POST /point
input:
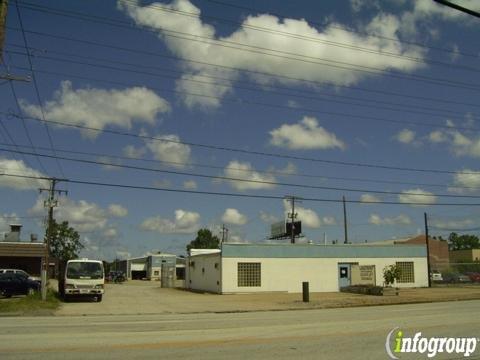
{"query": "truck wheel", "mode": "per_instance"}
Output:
(98, 298)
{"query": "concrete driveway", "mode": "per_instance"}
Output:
(147, 297)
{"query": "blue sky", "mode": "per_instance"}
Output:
(394, 84)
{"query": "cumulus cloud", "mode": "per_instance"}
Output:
(185, 222)
(308, 217)
(453, 224)
(466, 181)
(18, 167)
(303, 40)
(233, 217)
(134, 152)
(306, 134)
(417, 196)
(190, 185)
(82, 215)
(116, 210)
(397, 220)
(268, 218)
(99, 108)
(405, 136)
(461, 143)
(369, 198)
(245, 171)
(170, 149)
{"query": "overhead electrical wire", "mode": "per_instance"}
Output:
(280, 76)
(35, 85)
(335, 64)
(238, 195)
(251, 152)
(87, 16)
(232, 179)
(264, 88)
(243, 170)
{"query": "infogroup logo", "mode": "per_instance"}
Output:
(465, 346)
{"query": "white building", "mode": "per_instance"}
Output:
(244, 268)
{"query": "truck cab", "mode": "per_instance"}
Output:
(82, 277)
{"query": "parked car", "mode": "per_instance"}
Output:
(436, 275)
(456, 278)
(17, 284)
(115, 276)
(474, 277)
(19, 271)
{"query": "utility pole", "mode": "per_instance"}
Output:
(345, 221)
(428, 249)
(292, 215)
(3, 21)
(224, 234)
(50, 203)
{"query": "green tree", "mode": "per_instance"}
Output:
(65, 242)
(463, 242)
(204, 240)
(391, 274)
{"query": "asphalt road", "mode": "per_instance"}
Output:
(350, 333)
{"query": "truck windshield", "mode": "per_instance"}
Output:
(84, 270)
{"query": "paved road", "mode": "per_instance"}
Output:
(352, 333)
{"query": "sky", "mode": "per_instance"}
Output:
(206, 113)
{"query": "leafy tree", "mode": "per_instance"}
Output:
(65, 241)
(391, 274)
(463, 242)
(204, 240)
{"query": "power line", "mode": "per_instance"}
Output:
(458, 7)
(373, 35)
(335, 64)
(278, 173)
(263, 104)
(213, 193)
(264, 88)
(251, 152)
(37, 92)
(228, 178)
(280, 76)
(86, 16)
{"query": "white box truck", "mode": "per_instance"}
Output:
(82, 277)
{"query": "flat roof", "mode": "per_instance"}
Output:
(322, 251)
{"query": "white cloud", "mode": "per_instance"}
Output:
(460, 143)
(329, 220)
(305, 135)
(110, 233)
(268, 218)
(190, 185)
(134, 152)
(170, 150)
(405, 136)
(305, 40)
(18, 167)
(234, 217)
(185, 222)
(120, 254)
(244, 170)
(397, 220)
(369, 198)
(162, 183)
(308, 217)
(116, 210)
(99, 107)
(437, 136)
(82, 215)
(453, 224)
(417, 196)
(466, 179)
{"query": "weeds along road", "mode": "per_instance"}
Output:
(351, 333)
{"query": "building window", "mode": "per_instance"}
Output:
(249, 274)
(156, 273)
(407, 273)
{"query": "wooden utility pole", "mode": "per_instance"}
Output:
(427, 242)
(3, 20)
(345, 221)
(50, 203)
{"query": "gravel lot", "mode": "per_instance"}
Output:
(145, 297)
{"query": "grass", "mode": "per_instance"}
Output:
(30, 304)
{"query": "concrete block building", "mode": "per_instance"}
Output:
(247, 268)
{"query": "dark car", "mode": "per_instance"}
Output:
(17, 284)
(456, 278)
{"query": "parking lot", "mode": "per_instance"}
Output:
(147, 297)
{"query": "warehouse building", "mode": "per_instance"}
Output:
(246, 268)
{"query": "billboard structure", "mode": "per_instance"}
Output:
(283, 230)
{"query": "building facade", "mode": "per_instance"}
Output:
(246, 268)
(465, 256)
